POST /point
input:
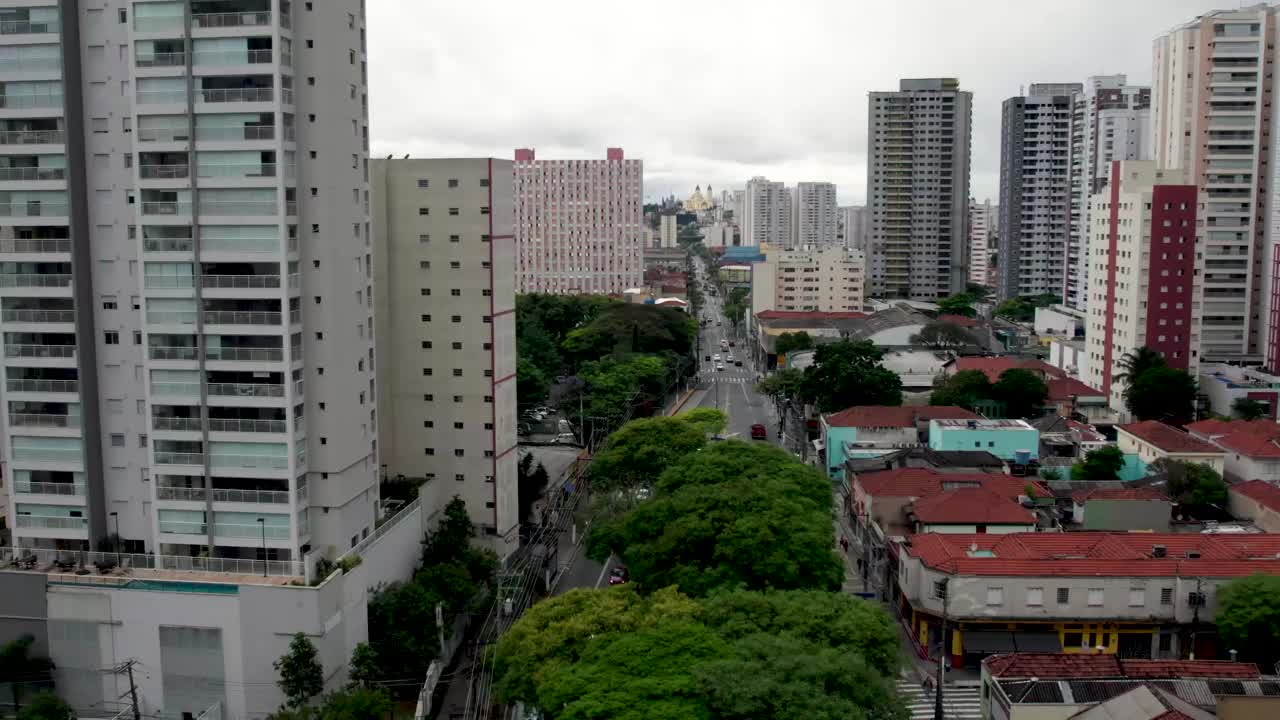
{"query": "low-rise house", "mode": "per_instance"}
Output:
(1012, 440)
(1257, 501)
(1152, 440)
(1067, 396)
(1062, 437)
(1251, 448)
(1134, 508)
(880, 427)
(1137, 595)
(1055, 686)
(1224, 384)
(970, 510)
(893, 500)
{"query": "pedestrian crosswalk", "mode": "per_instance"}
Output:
(960, 702)
(732, 379)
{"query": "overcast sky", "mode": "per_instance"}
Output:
(716, 92)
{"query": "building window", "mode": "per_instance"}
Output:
(423, 182)
(1166, 596)
(428, 397)
(424, 211)
(455, 238)
(484, 182)
(455, 265)
(1096, 597)
(458, 426)
(1064, 596)
(453, 211)
(1137, 597)
(457, 318)
(429, 451)
(460, 477)
(488, 453)
(111, 337)
(995, 596)
(1035, 596)
(457, 398)
(457, 372)
(459, 452)
(426, 371)
(428, 423)
(117, 439)
(453, 182)
(484, 210)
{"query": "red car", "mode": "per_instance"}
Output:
(619, 575)
(758, 432)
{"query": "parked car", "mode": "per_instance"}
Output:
(738, 363)
(708, 358)
(719, 366)
(731, 343)
(716, 357)
(758, 432)
(619, 575)
(567, 438)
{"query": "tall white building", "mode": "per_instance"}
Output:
(854, 220)
(1035, 191)
(187, 280)
(823, 279)
(446, 331)
(1112, 121)
(766, 213)
(918, 189)
(981, 233)
(1211, 114)
(579, 224)
(667, 230)
(816, 215)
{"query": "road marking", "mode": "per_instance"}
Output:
(603, 570)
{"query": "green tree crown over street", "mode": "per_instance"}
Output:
(849, 373)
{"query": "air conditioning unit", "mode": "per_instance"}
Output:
(1159, 551)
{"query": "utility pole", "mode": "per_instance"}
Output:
(127, 667)
(941, 589)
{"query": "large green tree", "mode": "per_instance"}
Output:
(1101, 464)
(531, 483)
(641, 450)
(19, 667)
(711, 421)
(1162, 393)
(1248, 618)
(626, 328)
(47, 706)
(1194, 484)
(1022, 392)
(790, 342)
(301, 676)
(849, 373)
(784, 384)
(963, 389)
(1248, 409)
(734, 514)
(958, 304)
(1137, 362)
(939, 335)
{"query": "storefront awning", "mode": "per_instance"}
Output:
(1037, 642)
(987, 641)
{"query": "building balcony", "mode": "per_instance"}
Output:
(164, 172)
(32, 174)
(244, 354)
(240, 282)
(47, 455)
(37, 280)
(179, 527)
(171, 317)
(24, 385)
(37, 100)
(233, 57)
(199, 494)
(169, 389)
(166, 208)
(32, 137)
(231, 19)
(176, 424)
(40, 351)
(162, 97)
(252, 170)
(52, 523)
(243, 425)
(261, 390)
(235, 95)
(216, 207)
(159, 352)
(33, 209)
(61, 489)
(160, 59)
(169, 282)
(256, 530)
(249, 462)
(34, 420)
(231, 317)
(178, 458)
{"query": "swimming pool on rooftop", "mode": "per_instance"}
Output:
(180, 586)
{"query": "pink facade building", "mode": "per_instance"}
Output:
(578, 224)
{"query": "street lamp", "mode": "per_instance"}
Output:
(116, 516)
(263, 523)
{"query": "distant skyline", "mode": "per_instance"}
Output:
(708, 93)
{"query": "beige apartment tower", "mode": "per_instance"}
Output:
(445, 311)
(809, 279)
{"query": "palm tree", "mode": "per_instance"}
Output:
(1137, 362)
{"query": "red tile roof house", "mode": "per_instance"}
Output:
(1066, 394)
(1152, 440)
(879, 426)
(1132, 594)
(1251, 448)
(1058, 685)
(1257, 501)
(909, 500)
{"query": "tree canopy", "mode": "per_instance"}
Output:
(939, 335)
(1022, 392)
(1024, 308)
(301, 676)
(531, 483)
(734, 514)
(1194, 484)
(1137, 362)
(1162, 393)
(735, 305)
(790, 342)
(958, 304)
(1248, 618)
(615, 653)
(629, 328)
(711, 421)
(963, 389)
(850, 373)
(640, 451)
(47, 706)
(1248, 409)
(1101, 464)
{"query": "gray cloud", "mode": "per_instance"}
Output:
(716, 93)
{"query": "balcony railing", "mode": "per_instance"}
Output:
(291, 207)
(36, 280)
(41, 420)
(32, 173)
(168, 244)
(229, 95)
(172, 353)
(238, 170)
(171, 389)
(232, 57)
(234, 317)
(164, 172)
(164, 134)
(171, 317)
(40, 351)
(240, 281)
(33, 209)
(226, 207)
(168, 282)
(181, 527)
(190, 494)
(269, 462)
(162, 97)
(245, 354)
(176, 458)
(199, 494)
(156, 24)
(52, 523)
(246, 389)
(167, 59)
(26, 487)
(42, 386)
(35, 245)
(39, 100)
(246, 132)
(53, 455)
(176, 424)
(38, 316)
(238, 425)
(256, 530)
(32, 137)
(27, 27)
(166, 208)
(235, 19)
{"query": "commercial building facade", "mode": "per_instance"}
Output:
(1146, 285)
(826, 279)
(815, 216)
(578, 224)
(184, 260)
(1035, 191)
(766, 213)
(446, 331)
(982, 221)
(918, 189)
(1111, 121)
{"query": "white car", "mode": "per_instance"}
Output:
(716, 357)
(719, 366)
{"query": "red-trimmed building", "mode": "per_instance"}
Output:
(1143, 287)
(1152, 440)
(1137, 595)
(1251, 448)
(880, 426)
(1257, 501)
